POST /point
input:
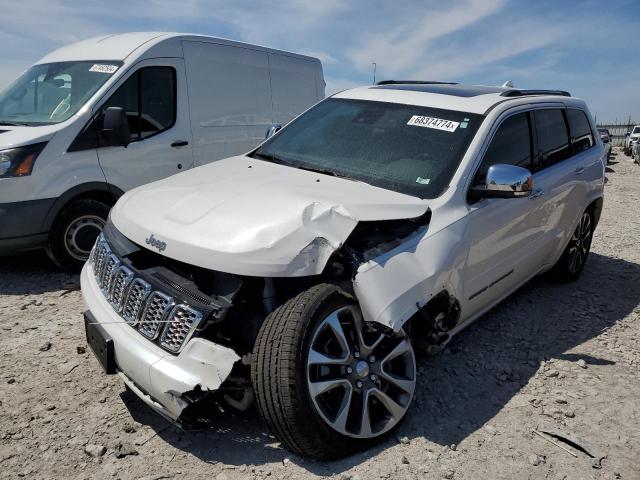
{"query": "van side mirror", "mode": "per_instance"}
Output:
(504, 181)
(115, 127)
(273, 129)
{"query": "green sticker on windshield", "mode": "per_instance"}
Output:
(423, 181)
(464, 123)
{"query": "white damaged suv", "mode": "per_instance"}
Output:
(303, 273)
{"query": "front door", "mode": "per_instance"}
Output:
(502, 233)
(154, 97)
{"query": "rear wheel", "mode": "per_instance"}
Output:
(75, 231)
(326, 382)
(575, 255)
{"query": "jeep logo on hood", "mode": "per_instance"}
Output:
(155, 243)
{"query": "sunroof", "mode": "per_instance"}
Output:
(444, 89)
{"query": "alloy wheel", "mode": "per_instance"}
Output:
(580, 243)
(361, 380)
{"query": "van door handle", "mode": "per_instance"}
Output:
(536, 194)
(180, 143)
(580, 170)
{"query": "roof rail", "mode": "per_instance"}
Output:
(414, 82)
(520, 93)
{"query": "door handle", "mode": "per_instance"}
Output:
(580, 170)
(180, 143)
(536, 194)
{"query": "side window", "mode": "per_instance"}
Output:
(581, 134)
(553, 138)
(511, 144)
(148, 98)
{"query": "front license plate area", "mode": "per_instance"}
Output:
(100, 342)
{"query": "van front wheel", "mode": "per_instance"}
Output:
(327, 383)
(75, 231)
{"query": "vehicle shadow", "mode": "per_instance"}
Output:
(465, 386)
(33, 274)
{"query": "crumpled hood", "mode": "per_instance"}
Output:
(251, 217)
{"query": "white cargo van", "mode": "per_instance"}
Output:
(99, 117)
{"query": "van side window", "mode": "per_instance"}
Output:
(581, 134)
(148, 98)
(553, 137)
(511, 144)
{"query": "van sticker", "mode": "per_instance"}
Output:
(431, 122)
(102, 68)
(423, 181)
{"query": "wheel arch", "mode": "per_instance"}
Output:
(100, 191)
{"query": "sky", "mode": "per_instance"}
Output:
(586, 47)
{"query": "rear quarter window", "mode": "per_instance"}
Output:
(581, 133)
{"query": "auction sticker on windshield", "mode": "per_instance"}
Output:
(431, 122)
(98, 67)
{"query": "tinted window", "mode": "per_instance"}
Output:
(511, 144)
(553, 138)
(581, 134)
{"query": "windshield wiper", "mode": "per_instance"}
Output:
(14, 124)
(271, 158)
(325, 171)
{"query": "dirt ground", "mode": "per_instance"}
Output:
(552, 356)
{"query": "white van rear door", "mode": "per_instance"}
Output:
(230, 98)
(154, 97)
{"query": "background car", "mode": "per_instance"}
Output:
(606, 140)
(631, 136)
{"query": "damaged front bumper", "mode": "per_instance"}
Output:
(167, 383)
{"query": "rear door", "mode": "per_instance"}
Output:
(565, 163)
(154, 97)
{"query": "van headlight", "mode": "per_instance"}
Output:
(18, 162)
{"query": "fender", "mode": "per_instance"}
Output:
(102, 188)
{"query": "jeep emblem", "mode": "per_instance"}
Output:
(155, 243)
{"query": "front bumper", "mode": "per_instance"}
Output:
(21, 225)
(159, 378)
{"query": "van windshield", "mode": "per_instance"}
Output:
(405, 148)
(52, 92)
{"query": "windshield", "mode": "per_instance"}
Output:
(408, 149)
(635, 130)
(52, 92)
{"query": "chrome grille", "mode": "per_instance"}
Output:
(121, 280)
(137, 293)
(154, 313)
(153, 316)
(111, 264)
(182, 322)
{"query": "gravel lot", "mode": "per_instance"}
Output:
(552, 356)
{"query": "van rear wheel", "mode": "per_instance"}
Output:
(75, 231)
(327, 383)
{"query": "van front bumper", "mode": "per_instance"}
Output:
(159, 378)
(21, 225)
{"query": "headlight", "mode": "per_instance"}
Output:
(18, 162)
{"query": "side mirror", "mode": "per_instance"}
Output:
(273, 129)
(115, 127)
(605, 140)
(505, 181)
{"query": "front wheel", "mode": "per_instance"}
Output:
(75, 231)
(327, 383)
(575, 254)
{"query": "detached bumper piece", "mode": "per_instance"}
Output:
(101, 343)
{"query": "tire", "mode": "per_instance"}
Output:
(286, 375)
(74, 232)
(574, 257)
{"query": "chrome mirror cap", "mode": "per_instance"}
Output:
(505, 181)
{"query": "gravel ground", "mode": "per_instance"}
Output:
(552, 356)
